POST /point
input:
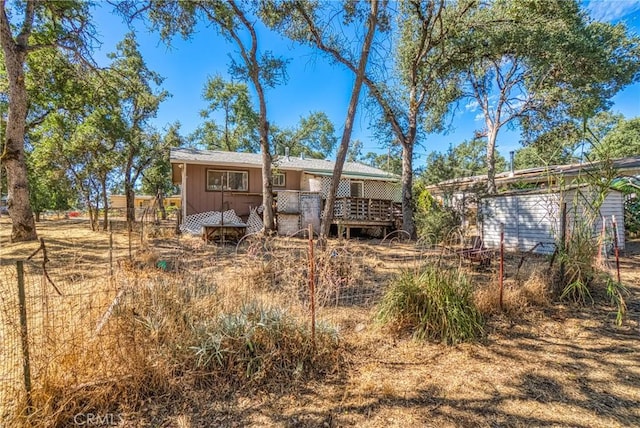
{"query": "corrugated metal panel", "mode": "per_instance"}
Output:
(531, 219)
(537, 223)
(497, 211)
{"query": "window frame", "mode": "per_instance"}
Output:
(226, 172)
(284, 179)
(360, 184)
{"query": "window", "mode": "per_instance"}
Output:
(278, 179)
(236, 181)
(357, 189)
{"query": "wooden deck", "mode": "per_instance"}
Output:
(365, 212)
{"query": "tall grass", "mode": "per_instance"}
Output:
(577, 263)
(166, 334)
(261, 344)
(434, 304)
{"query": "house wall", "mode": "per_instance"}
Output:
(373, 189)
(530, 219)
(200, 200)
(579, 206)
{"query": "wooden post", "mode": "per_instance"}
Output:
(312, 287)
(501, 263)
(24, 335)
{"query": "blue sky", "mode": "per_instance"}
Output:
(314, 84)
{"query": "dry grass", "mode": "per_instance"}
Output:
(542, 363)
(535, 291)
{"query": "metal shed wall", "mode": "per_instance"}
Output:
(530, 219)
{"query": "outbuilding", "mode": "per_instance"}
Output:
(532, 220)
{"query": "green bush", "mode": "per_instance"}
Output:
(436, 222)
(435, 304)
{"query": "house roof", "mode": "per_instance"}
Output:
(544, 190)
(291, 163)
(628, 166)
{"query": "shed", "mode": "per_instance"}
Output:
(532, 218)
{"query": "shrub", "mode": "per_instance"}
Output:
(435, 304)
(261, 344)
(577, 263)
(437, 222)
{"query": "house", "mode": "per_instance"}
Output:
(143, 201)
(220, 181)
(528, 203)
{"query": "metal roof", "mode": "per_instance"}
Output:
(290, 163)
(630, 165)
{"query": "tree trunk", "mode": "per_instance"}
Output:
(268, 217)
(105, 203)
(327, 218)
(492, 134)
(23, 226)
(87, 199)
(130, 202)
(160, 198)
(407, 190)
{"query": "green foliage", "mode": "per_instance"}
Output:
(237, 126)
(157, 177)
(434, 304)
(617, 293)
(623, 140)
(314, 137)
(262, 344)
(466, 159)
(433, 220)
(632, 215)
(390, 161)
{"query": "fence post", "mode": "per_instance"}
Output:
(24, 335)
(312, 287)
(501, 263)
(111, 248)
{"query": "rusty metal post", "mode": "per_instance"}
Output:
(24, 336)
(615, 246)
(312, 287)
(501, 263)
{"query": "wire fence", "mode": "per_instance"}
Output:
(91, 308)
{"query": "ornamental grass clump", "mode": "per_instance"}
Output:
(261, 344)
(433, 304)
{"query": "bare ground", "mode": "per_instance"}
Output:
(556, 365)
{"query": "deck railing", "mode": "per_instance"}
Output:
(364, 209)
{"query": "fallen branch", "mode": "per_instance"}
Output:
(45, 260)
